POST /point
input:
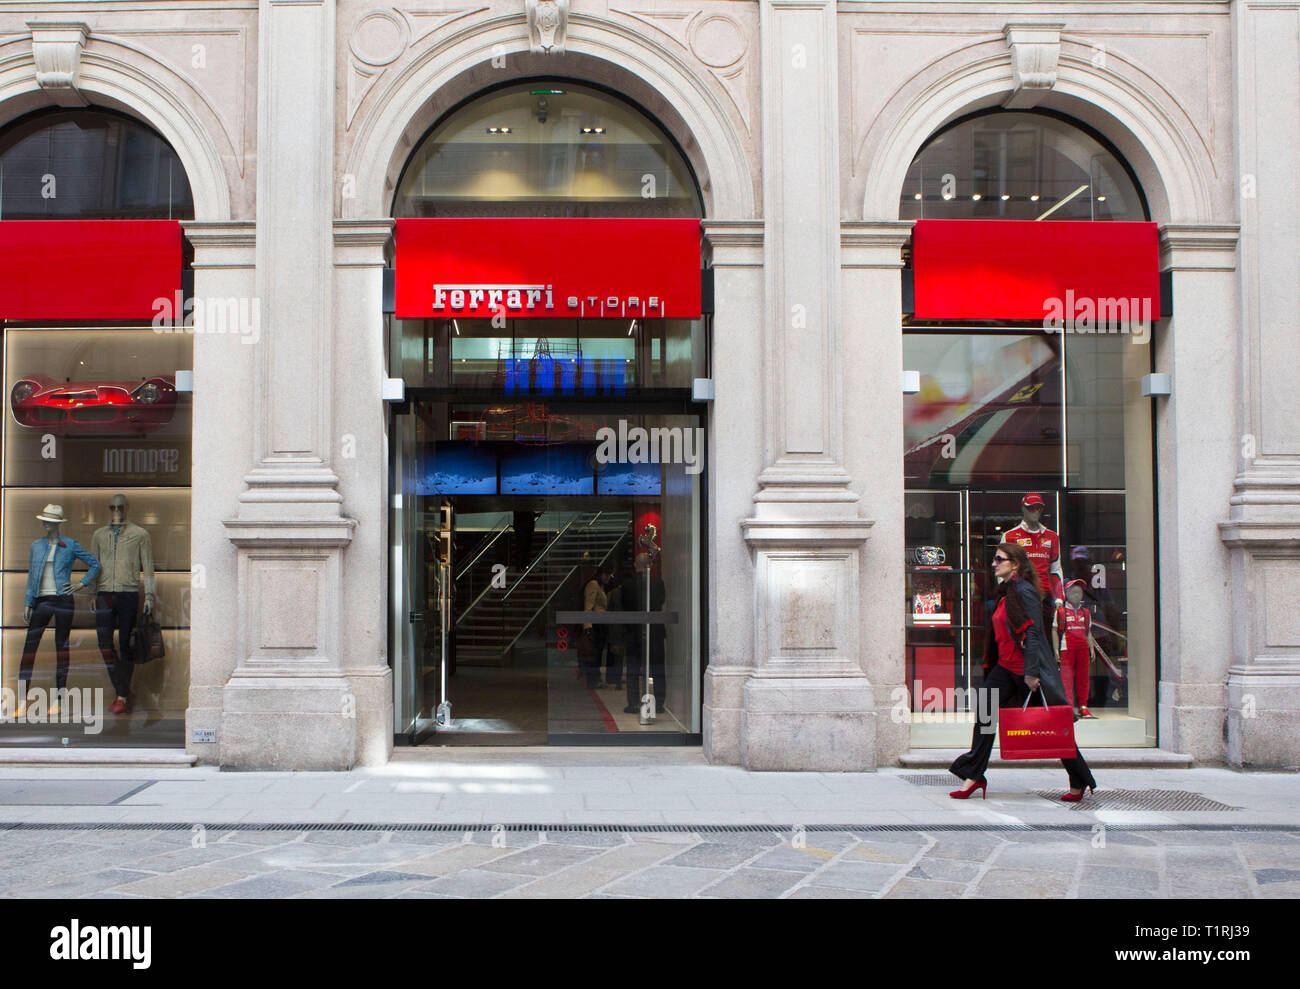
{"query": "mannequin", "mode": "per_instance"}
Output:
(1043, 546)
(1077, 643)
(49, 596)
(126, 551)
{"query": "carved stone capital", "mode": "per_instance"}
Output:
(56, 49)
(548, 25)
(1035, 52)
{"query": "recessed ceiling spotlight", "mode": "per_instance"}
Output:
(917, 196)
(498, 130)
(1034, 198)
(1005, 197)
(1101, 199)
(977, 197)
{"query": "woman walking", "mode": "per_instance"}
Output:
(1017, 662)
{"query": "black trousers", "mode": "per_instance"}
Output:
(1011, 692)
(117, 610)
(61, 608)
(590, 662)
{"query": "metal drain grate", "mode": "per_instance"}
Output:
(930, 779)
(1174, 800)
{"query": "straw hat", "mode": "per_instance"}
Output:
(52, 513)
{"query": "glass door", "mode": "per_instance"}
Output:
(546, 558)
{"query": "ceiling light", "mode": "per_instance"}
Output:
(1034, 198)
(977, 197)
(498, 130)
(1101, 199)
(1005, 197)
(947, 195)
(917, 196)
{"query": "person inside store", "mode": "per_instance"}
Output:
(126, 552)
(594, 598)
(1018, 661)
(49, 596)
(616, 635)
(649, 594)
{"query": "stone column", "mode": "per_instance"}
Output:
(1263, 526)
(735, 459)
(361, 463)
(224, 373)
(807, 702)
(288, 704)
(872, 358)
(1195, 441)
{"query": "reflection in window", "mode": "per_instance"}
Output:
(1009, 165)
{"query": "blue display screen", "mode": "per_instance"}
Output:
(628, 479)
(548, 470)
(457, 467)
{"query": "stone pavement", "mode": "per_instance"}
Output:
(68, 862)
(558, 822)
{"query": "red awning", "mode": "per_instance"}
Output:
(548, 268)
(88, 269)
(1035, 269)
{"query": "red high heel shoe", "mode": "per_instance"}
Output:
(965, 794)
(1073, 797)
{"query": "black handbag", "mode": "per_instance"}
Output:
(147, 641)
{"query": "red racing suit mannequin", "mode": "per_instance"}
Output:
(1075, 627)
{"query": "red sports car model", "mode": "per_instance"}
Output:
(42, 403)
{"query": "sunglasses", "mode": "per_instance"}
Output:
(999, 558)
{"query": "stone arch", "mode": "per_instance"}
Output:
(1157, 139)
(649, 75)
(109, 77)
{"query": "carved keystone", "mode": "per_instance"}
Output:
(56, 49)
(1035, 52)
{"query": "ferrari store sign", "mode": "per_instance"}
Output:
(604, 268)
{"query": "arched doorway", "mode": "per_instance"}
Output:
(549, 460)
(97, 431)
(1020, 431)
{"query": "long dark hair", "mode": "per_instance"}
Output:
(1025, 568)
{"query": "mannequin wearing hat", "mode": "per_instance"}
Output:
(49, 596)
(1075, 624)
(1042, 545)
(126, 552)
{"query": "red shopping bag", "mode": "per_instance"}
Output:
(1036, 732)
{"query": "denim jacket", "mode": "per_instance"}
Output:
(67, 551)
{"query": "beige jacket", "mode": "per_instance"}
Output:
(123, 559)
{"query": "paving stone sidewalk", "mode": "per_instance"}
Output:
(376, 863)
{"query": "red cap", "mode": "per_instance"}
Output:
(1032, 499)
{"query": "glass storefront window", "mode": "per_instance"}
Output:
(94, 421)
(1004, 410)
(89, 165)
(1018, 166)
(547, 149)
(530, 515)
(95, 433)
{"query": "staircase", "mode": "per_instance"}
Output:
(488, 626)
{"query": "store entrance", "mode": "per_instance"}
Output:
(951, 538)
(537, 579)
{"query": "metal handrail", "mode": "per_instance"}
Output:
(556, 589)
(540, 557)
(488, 586)
(501, 531)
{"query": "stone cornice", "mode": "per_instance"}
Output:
(361, 243)
(873, 244)
(222, 243)
(806, 532)
(735, 243)
(1199, 246)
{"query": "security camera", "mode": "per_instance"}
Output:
(542, 110)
